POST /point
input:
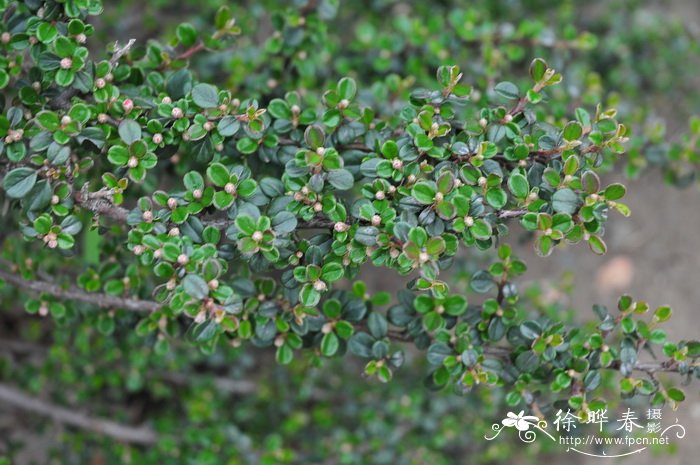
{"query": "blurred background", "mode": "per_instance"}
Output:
(238, 407)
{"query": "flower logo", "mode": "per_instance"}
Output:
(521, 421)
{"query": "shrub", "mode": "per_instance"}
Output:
(153, 211)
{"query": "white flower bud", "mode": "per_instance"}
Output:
(65, 120)
(423, 257)
(183, 259)
(469, 221)
(296, 110)
(208, 126)
(376, 220)
(133, 162)
(139, 249)
(197, 194)
(341, 227)
(483, 123)
(128, 105)
(174, 232)
(320, 286)
(66, 63)
(439, 196)
(157, 138)
(177, 113)
(343, 104)
(318, 207)
(213, 284)
(327, 328)
(279, 341)
(257, 236)
(230, 188)
(81, 38)
(508, 118)
(102, 118)
(380, 195)
(147, 216)
(172, 203)
(201, 317)
(397, 164)
(5, 38)
(482, 181)
(166, 100)
(321, 151)
(55, 200)
(236, 103)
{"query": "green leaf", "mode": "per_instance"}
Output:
(615, 191)
(377, 325)
(597, 245)
(193, 181)
(572, 131)
(48, 120)
(218, 174)
(518, 185)
(663, 313)
(228, 126)
(186, 34)
(129, 131)
(424, 193)
(331, 272)
(565, 201)
(205, 96)
(496, 197)
(329, 344)
(347, 88)
(314, 137)
(118, 155)
(195, 286)
(245, 224)
(308, 296)
(341, 179)
(279, 109)
(507, 90)
(676, 394)
(537, 69)
(19, 182)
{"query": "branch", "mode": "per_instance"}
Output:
(121, 51)
(123, 433)
(74, 293)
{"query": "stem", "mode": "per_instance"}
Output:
(74, 293)
(67, 416)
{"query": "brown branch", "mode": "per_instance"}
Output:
(70, 417)
(74, 293)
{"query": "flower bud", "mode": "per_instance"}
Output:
(166, 100)
(380, 195)
(183, 259)
(213, 284)
(257, 236)
(172, 203)
(230, 188)
(157, 138)
(177, 113)
(341, 227)
(197, 194)
(81, 38)
(102, 118)
(147, 216)
(128, 105)
(66, 63)
(65, 120)
(133, 162)
(174, 232)
(5, 38)
(318, 207)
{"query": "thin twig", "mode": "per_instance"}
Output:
(68, 416)
(74, 293)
